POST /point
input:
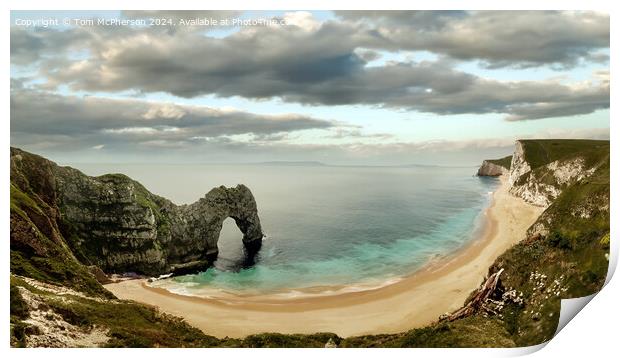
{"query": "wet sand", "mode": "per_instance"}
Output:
(417, 300)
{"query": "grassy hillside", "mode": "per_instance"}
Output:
(539, 152)
(38, 249)
(563, 257)
(502, 162)
(60, 317)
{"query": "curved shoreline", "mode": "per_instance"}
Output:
(414, 301)
(293, 295)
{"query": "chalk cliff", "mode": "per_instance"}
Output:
(541, 169)
(116, 224)
(494, 168)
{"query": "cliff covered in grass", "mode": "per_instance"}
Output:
(495, 167)
(542, 169)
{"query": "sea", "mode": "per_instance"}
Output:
(352, 227)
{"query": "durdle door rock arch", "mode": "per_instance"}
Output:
(206, 216)
(115, 223)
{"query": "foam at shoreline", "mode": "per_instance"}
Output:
(411, 302)
(196, 289)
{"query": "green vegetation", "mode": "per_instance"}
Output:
(569, 261)
(131, 324)
(19, 312)
(128, 324)
(475, 331)
(503, 162)
(19, 308)
(38, 250)
(568, 258)
(20, 200)
(605, 240)
(539, 152)
(57, 271)
(278, 340)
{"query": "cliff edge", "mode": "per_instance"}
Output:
(495, 167)
(565, 253)
(542, 169)
(114, 223)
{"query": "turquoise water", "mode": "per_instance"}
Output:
(328, 225)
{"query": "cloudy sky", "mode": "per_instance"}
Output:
(344, 87)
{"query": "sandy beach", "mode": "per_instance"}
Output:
(414, 301)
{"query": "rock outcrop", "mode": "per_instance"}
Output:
(113, 222)
(495, 167)
(518, 165)
(490, 169)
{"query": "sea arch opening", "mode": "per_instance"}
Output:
(234, 250)
(231, 251)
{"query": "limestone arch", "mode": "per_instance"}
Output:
(207, 215)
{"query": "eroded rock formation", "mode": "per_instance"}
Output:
(539, 180)
(541, 169)
(115, 223)
(491, 169)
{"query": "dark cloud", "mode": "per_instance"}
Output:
(97, 121)
(30, 46)
(339, 79)
(180, 14)
(418, 19)
(498, 38)
(325, 64)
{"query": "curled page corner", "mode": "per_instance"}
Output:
(570, 307)
(523, 351)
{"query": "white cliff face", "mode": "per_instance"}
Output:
(518, 166)
(491, 169)
(569, 171)
(535, 193)
(544, 184)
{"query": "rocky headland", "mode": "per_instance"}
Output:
(117, 225)
(494, 168)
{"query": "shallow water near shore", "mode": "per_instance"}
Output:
(356, 227)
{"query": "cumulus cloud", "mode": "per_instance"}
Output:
(498, 38)
(72, 128)
(180, 14)
(417, 19)
(330, 67)
(67, 120)
(31, 46)
(430, 87)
